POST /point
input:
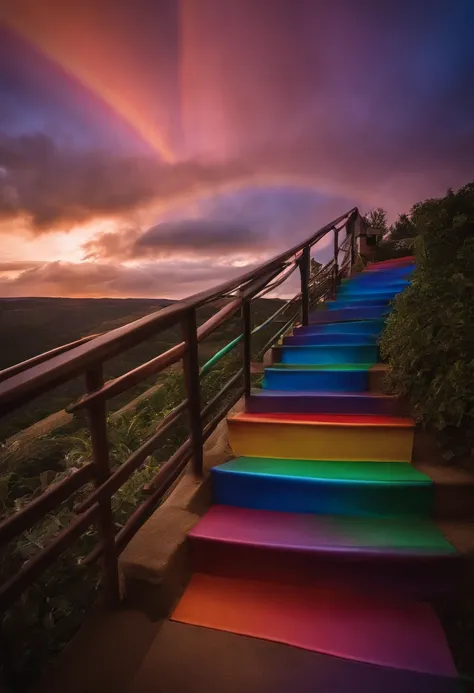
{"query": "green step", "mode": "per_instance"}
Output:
(379, 472)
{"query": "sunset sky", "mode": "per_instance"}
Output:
(155, 147)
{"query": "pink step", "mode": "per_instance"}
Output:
(404, 556)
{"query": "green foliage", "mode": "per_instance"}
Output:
(377, 219)
(397, 239)
(429, 338)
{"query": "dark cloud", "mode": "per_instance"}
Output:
(195, 237)
(54, 186)
(51, 185)
(202, 236)
(247, 222)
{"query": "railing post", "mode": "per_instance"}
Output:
(335, 269)
(97, 413)
(246, 346)
(351, 228)
(193, 389)
(305, 267)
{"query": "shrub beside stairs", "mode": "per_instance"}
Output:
(315, 567)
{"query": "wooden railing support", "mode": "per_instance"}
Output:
(351, 229)
(335, 269)
(97, 413)
(246, 346)
(193, 389)
(305, 267)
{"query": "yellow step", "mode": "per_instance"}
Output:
(322, 437)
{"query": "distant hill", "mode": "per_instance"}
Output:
(30, 326)
(33, 325)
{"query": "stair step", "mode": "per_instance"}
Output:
(325, 366)
(377, 281)
(191, 659)
(321, 317)
(360, 294)
(265, 401)
(316, 379)
(334, 339)
(396, 634)
(408, 260)
(371, 289)
(361, 489)
(393, 538)
(321, 354)
(347, 301)
(323, 437)
(385, 272)
(406, 556)
(374, 326)
(385, 281)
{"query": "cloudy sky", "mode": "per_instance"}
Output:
(155, 147)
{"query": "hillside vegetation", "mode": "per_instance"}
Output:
(429, 339)
(31, 326)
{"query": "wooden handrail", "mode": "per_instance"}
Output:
(20, 388)
(23, 382)
(45, 356)
(159, 363)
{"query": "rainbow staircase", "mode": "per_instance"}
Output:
(320, 536)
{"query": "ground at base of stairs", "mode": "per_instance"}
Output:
(335, 621)
(190, 659)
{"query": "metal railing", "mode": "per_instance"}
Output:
(22, 383)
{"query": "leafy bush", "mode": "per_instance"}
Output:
(429, 338)
(397, 239)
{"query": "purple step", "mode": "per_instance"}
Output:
(281, 401)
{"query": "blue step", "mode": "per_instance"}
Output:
(350, 302)
(359, 292)
(374, 283)
(326, 354)
(365, 489)
(316, 379)
(374, 326)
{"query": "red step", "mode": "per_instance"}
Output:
(395, 262)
